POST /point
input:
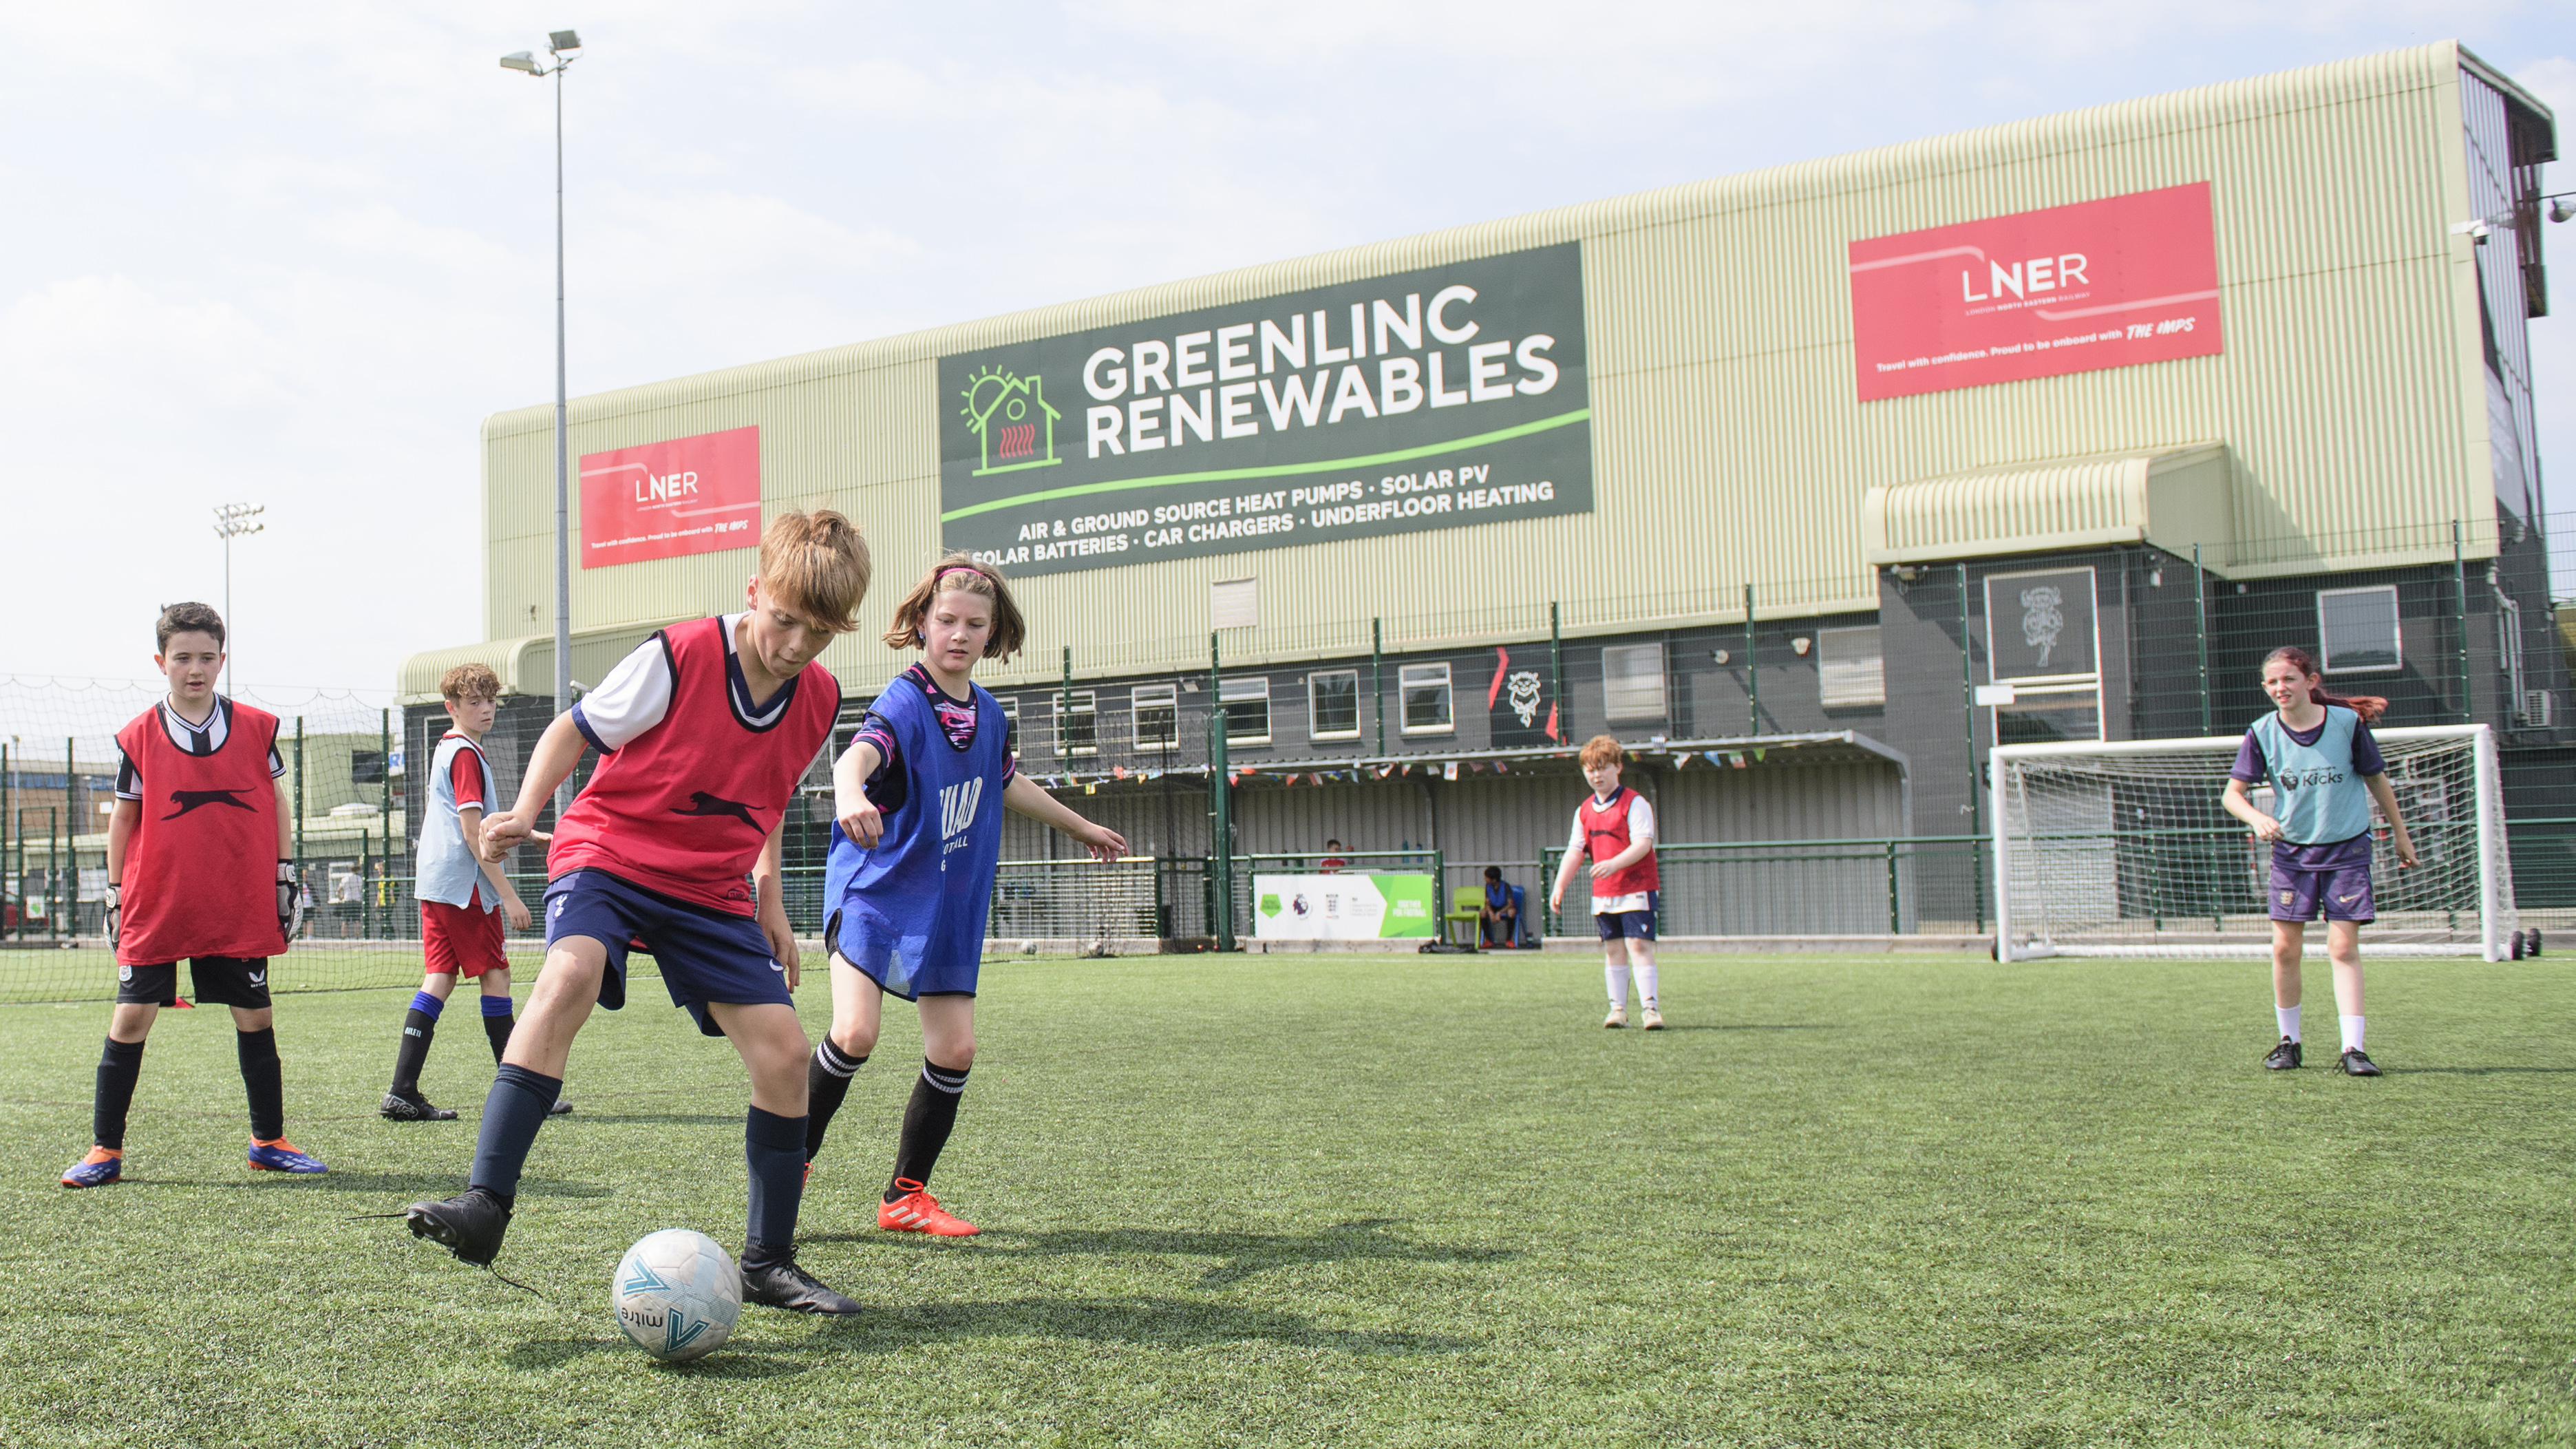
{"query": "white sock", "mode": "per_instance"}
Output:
(2352, 1034)
(1617, 975)
(1646, 985)
(2289, 1017)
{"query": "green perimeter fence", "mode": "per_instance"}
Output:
(1902, 886)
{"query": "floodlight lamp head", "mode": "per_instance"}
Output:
(2559, 210)
(520, 60)
(562, 40)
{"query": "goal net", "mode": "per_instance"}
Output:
(2123, 849)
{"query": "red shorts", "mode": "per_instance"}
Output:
(465, 940)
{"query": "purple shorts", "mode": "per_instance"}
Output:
(2341, 895)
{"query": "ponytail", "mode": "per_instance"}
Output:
(2369, 706)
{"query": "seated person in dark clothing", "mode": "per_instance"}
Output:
(1498, 922)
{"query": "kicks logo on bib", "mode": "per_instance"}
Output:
(702, 803)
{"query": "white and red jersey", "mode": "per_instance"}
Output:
(1604, 828)
(200, 874)
(692, 778)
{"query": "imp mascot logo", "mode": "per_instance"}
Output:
(2042, 619)
(1523, 687)
(1009, 416)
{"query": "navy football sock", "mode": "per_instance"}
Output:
(827, 1084)
(118, 1068)
(512, 1113)
(264, 1080)
(774, 1146)
(420, 1025)
(927, 1121)
(497, 1023)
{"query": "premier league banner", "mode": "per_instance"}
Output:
(1450, 396)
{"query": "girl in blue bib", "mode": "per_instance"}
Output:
(2325, 773)
(908, 887)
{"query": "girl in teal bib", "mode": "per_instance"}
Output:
(2325, 772)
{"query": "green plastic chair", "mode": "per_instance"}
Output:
(1467, 904)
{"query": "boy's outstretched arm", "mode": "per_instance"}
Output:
(1026, 797)
(549, 765)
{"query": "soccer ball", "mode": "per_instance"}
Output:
(677, 1294)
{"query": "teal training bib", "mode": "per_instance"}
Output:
(2316, 794)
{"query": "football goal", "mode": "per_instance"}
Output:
(2122, 849)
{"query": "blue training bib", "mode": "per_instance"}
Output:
(2317, 795)
(913, 910)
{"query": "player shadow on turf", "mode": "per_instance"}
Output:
(2479, 1071)
(391, 1184)
(1242, 1254)
(893, 1329)
(1756, 1026)
(736, 1360)
(1174, 1322)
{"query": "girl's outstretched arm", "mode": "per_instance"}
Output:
(2387, 798)
(1025, 796)
(858, 816)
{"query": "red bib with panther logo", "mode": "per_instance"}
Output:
(201, 867)
(684, 807)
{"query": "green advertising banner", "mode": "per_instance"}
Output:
(1440, 398)
(1343, 907)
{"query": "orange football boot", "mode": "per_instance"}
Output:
(918, 1212)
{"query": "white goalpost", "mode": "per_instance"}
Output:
(2122, 849)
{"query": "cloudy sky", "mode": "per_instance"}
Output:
(293, 253)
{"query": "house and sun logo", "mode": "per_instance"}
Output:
(1009, 415)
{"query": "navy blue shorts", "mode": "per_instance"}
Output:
(1638, 925)
(911, 967)
(2342, 895)
(706, 956)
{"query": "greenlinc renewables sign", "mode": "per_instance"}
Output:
(1433, 399)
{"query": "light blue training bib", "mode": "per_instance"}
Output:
(2317, 795)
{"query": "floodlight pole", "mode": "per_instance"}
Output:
(232, 520)
(558, 43)
(563, 459)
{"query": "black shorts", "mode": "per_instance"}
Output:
(222, 980)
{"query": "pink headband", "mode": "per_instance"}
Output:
(958, 569)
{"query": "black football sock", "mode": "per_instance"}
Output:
(264, 1080)
(420, 1024)
(497, 1024)
(774, 1147)
(118, 1068)
(827, 1083)
(512, 1112)
(927, 1121)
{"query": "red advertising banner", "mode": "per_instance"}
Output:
(661, 500)
(2108, 283)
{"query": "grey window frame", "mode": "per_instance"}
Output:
(1314, 727)
(1404, 687)
(1628, 701)
(2396, 632)
(1226, 697)
(1146, 697)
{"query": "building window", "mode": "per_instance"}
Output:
(1426, 699)
(1632, 682)
(1246, 703)
(1333, 705)
(1234, 604)
(1077, 723)
(2359, 629)
(1158, 717)
(1850, 670)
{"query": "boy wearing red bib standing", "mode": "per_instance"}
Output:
(1614, 831)
(198, 867)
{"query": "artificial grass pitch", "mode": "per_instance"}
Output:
(1326, 1200)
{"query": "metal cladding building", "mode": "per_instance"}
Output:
(1810, 484)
